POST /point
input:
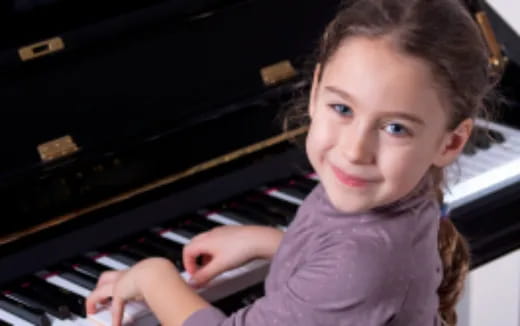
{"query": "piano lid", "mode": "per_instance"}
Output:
(141, 95)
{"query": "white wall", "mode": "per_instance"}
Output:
(492, 294)
(509, 10)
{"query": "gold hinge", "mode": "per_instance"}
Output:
(40, 49)
(277, 73)
(57, 148)
(496, 59)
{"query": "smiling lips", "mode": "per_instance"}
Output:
(348, 179)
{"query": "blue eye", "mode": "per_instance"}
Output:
(397, 129)
(342, 109)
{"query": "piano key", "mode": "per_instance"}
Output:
(239, 219)
(258, 214)
(59, 281)
(123, 259)
(223, 219)
(73, 301)
(87, 267)
(82, 280)
(11, 319)
(197, 223)
(156, 248)
(283, 195)
(174, 249)
(274, 204)
(4, 323)
(35, 299)
(497, 136)
(310, 183)
(133, 311)
(179, 235)
(33, 316)
(108, 261)
(497, 167)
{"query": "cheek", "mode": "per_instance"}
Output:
(405, 166)
(320, 139)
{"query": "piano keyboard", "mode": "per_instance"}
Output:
(488, 167)
(56, 296)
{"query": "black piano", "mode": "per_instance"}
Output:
(130, 126)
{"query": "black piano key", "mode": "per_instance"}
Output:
(87, 267)
(469, 149)
(73, 301)
(282, 217)
(4, 323)
(124, 258)
(293, 191)
(481, 138)
(497, 136)
(199, 224)
(281, 206)
(155, 247)
(259, 213)
(310, 183)
(239, 218)
(164, 244)
(300, 185)
(32, 315)
(28, 296)
(82, 280)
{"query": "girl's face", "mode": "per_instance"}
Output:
(377, 125)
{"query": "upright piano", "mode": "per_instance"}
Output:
(130, 126)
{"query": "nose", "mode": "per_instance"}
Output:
(358, 145)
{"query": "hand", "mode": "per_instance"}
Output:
(227, 247)
(123, 286)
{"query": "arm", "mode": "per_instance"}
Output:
(228, 247)
(167, 294)
(266, 240)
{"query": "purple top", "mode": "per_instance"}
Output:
(376, 268)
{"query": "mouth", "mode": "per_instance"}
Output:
(350, 180)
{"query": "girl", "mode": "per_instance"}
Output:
(396, 87)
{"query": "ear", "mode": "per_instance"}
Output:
(314, 90)
(453, 143)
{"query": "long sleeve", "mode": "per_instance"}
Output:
(342, 283)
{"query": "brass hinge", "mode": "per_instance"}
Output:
(57, 148)
(41, 48)
(496, 59)
(277, 73)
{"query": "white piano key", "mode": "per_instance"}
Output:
(109, 262)
(313, 176)
(72, 287)
(175, 237)
(219, 218)
(13, 319)
(283, 196)
(133, 311)
(484, 184)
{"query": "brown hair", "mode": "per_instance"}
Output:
(443, 34)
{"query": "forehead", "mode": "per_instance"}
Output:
(379, 77)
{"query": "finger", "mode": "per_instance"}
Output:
(205, 274)
(108, 277)
(118, 305)
(99, 295)
(189, 257)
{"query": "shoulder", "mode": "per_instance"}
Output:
(349, 269)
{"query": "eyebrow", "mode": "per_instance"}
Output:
(345, 95)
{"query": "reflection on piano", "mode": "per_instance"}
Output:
(173, 131)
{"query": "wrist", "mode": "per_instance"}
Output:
(265, 240)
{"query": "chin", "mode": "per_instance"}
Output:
(349, 205)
